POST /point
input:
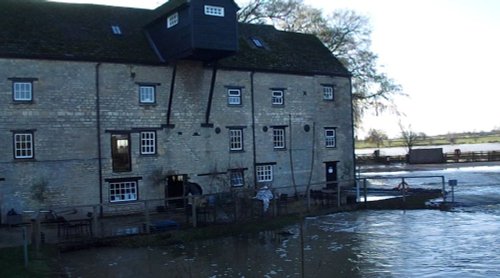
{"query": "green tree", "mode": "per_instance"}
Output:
(346, 34)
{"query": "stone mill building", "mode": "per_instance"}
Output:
(102, 104)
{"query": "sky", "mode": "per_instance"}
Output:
(444, 53)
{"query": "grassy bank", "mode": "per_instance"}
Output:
(40, 264)
(430, 141)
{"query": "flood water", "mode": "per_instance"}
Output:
(463, 242)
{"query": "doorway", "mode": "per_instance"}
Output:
(174, 189)
(331, 174)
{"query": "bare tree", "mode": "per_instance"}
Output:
(409, 136)
(346, 34)
(376, 136)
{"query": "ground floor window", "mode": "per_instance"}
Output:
(237, 178)
(264, 173)
(122, 191)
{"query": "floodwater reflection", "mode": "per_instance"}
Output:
(420, 243)
(417, 243)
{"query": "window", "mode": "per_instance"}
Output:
(116, 30)
(23, 145)
(172, 20)
(120, 151)
(148, 142)
(236, 139)
(214, 10)
(234, 96)
(330, 138)
(264, 173)
(279, 138)
(257, 42)
(22, 91)
(147, 94)
(328, 92)
(278, 97)
(237, 178)
(122, 191)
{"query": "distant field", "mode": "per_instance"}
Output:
(440, 140)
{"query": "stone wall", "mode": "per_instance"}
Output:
(64, 120)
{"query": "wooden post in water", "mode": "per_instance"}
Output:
(146, 216)
(95, 223)
(338, 195)
(194, 202)
(365, 193)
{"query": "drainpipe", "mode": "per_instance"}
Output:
(98, 123)
(171, 97)
(254, 148)
(352, 127)
(210, 96)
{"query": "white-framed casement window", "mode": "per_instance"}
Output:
(237, 179)
(214, 10)
(23, 145)
(328, 92)
(330, 137)
(147, 94)
(234, 96)
(148, 142)
(235, 139)
(172, 20)
(123, 191)
(264, 173)
(278, 97)
(279, 138)
(22, 91)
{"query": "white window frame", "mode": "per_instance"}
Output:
(123, 191)
(279, 138)
(328, 93)
(236, 139)
(234, 96)
(278, 97)
(148, 142)
(331, 137)
(23, 145)
(237, 178)
(172, 20)
(22, 91)
(147, 94)
(264, 173)
(214, 10)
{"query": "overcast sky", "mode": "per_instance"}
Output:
(444, 53)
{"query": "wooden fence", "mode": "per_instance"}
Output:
(87, 222)
(452, 157)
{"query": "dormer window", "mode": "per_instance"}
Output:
(116, 30)
(172, 20)
(257, 42)
(214, 10)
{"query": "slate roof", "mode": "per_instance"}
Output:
(37, 29)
